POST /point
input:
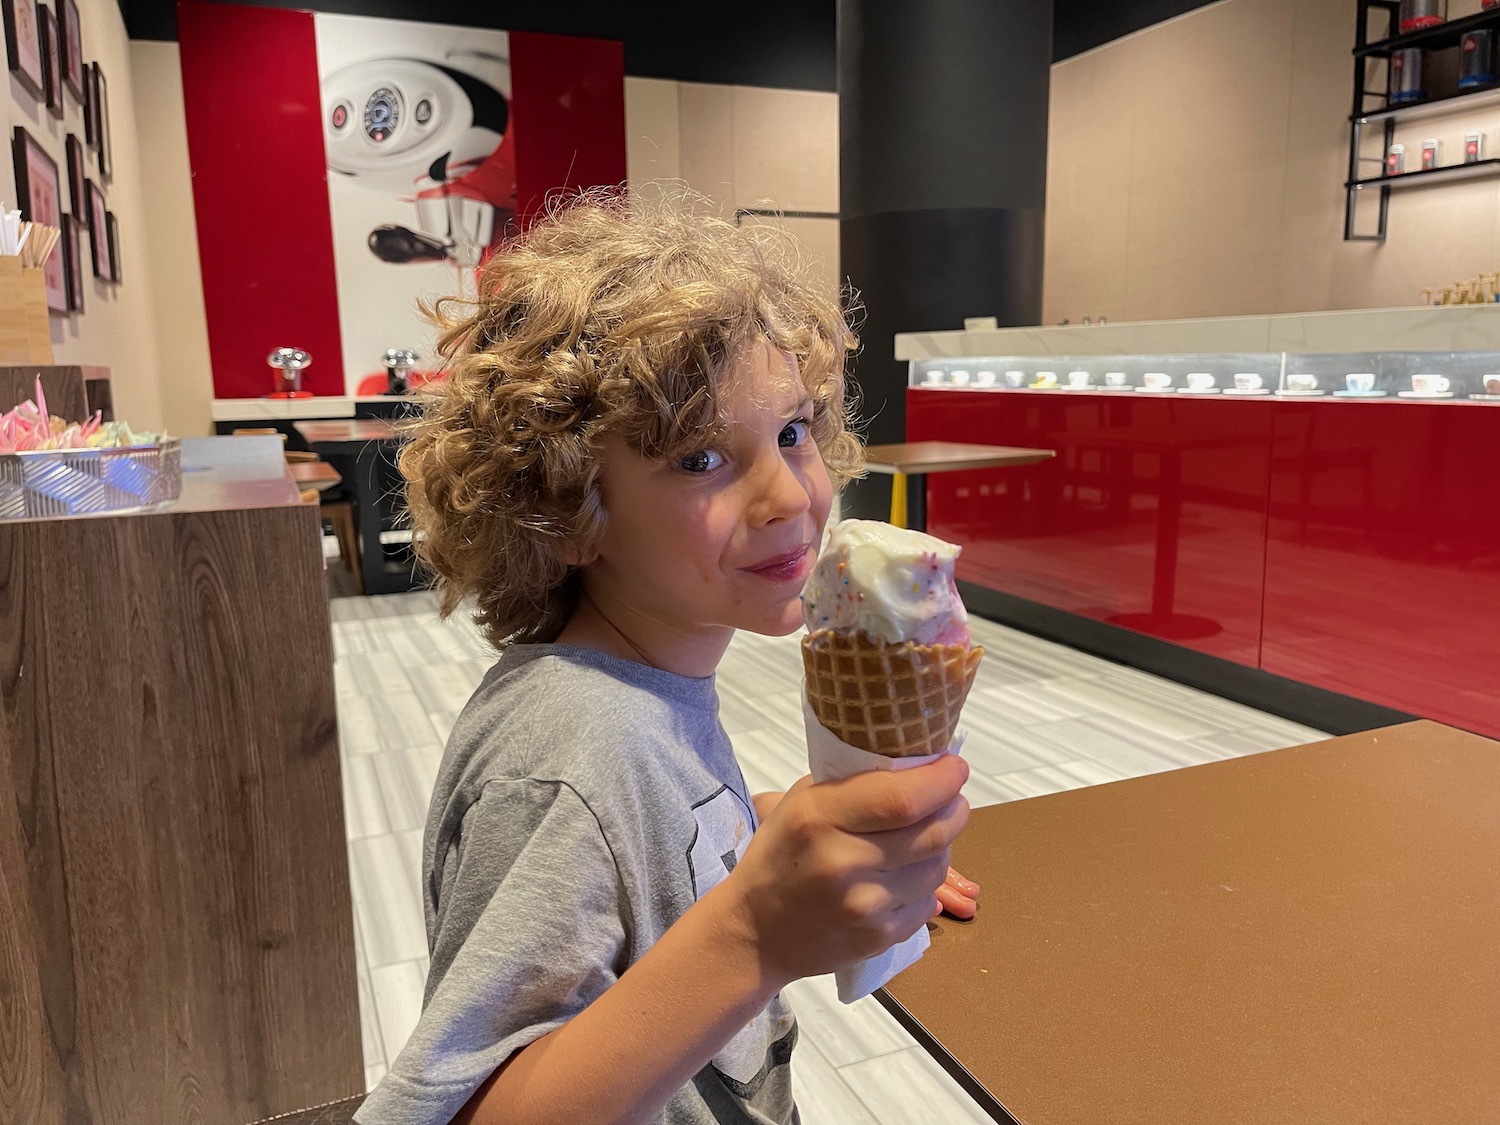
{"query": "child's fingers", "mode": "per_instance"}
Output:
(881, 800)
(963, 886)
(955, 903)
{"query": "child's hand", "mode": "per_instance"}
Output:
(844, 870)
(958, 896)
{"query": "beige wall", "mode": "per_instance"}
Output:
(114, 330)
(1197, 169)
(179, 326)
(743, 146)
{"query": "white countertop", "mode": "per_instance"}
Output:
(320, 406)
(1424, 328)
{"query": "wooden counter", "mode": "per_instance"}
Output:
(176, 936)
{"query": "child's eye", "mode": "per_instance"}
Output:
(703, 461)
(794, 434)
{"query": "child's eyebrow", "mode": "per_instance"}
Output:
(805, 406)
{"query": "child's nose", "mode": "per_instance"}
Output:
(781, 492)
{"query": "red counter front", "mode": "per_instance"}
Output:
(1354, 546)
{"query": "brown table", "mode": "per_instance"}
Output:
(363, 451)
(1308, 935)
(314, 474)
(910, 462)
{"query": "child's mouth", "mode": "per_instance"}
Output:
(790, 567)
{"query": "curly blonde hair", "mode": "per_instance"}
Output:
(608, 317)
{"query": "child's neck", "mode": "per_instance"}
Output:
(622, 632)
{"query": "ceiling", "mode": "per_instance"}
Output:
(788, 43)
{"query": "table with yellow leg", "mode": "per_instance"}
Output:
(908, 464)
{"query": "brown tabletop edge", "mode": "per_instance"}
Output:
(954, 1069)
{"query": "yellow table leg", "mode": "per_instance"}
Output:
(898, 499)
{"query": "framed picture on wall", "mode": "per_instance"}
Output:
(77, 176)
(39, 190)
(23, 44)
(101, 124)
(90, 105)
(72, 263)
(52, 83)
(98, 232)
(114, 246)
(71, 41)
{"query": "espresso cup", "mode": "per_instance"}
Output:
(984, 378)
(1200, 381)
(1015, 378)
(1046, 378)
(933, 378)
(1360, 383)
(959, 378)
(1492, 384)
(1114, 378)
(1157, 380)
(1429, 384)
(1301, 383)
(1248, 381)
(1078, 378)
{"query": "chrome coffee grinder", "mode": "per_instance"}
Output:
(287, 365)
(398, 361)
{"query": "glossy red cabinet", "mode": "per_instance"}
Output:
(1352, 546)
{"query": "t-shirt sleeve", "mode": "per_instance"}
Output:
(531, 929)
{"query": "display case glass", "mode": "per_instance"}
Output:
(1432, 376)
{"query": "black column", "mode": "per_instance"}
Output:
(942, 181)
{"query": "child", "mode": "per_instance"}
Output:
(632, 456)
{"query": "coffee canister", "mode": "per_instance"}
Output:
(1476, 60)
(1417, 14)
(1406, 77)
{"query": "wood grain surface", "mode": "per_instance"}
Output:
(176, 936)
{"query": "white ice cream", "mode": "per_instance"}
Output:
(886, 582)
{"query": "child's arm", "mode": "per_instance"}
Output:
(765, 804)
(843, 871)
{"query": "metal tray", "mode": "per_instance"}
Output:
(72, 482)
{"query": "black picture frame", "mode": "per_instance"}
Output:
(52, 83)
(90, 120)
(70, 43)
(98, 231)
(72, 263)
(113, 229)
(39, 196)
(101, 124)
(77, 177)
(23, 45)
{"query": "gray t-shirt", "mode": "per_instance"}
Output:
(583, 804)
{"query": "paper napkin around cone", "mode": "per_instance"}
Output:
(830, 758)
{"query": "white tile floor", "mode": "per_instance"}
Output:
(1041, 719)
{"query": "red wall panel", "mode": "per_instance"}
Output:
(265, 237)
(1351, 546)
(569, 103)
(1152, 516)
(1383, 566)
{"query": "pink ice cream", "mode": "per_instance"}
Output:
(888, 583)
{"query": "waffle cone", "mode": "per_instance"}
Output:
(900, 700)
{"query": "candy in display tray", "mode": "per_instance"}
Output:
(72, 482)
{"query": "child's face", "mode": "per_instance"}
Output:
(724, 538)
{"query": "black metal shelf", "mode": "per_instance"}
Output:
(1432, 38)
(1430, 176)
(1433, 107)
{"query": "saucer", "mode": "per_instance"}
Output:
(1485, 398)
(1301, 394)
(1237, 391)
(1085, 387)
(1043, 387)
(1156, 390)
(1359, 394)
(1425, 394)
(1195, 391)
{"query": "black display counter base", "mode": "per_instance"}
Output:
(1297, 702)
